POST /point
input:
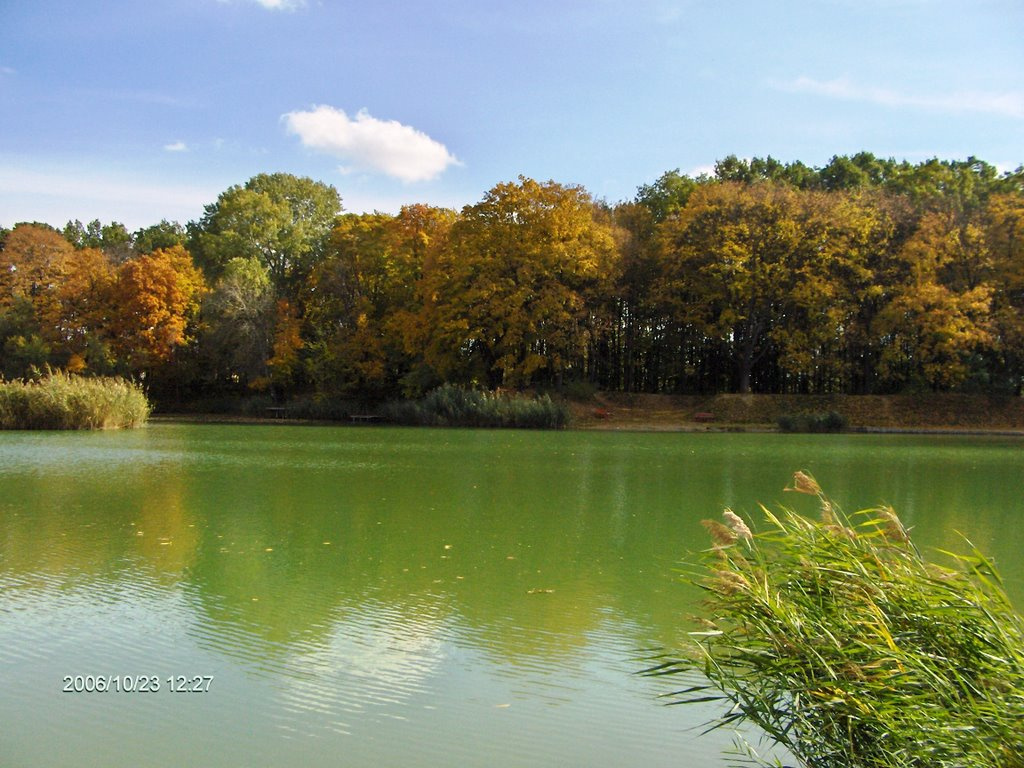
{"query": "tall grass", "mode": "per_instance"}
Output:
(63, 401)
(451, 406)
(851, 650)
(812, 421)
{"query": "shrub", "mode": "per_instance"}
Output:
(63, 401)
(850, 650)
(580, 391)
(452, 406)
(811, 421)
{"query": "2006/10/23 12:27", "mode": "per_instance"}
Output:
(136, 683)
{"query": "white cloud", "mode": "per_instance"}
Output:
(1007, 104)
(369, 144)
(177, 146)
(274, 5)
(281, 5)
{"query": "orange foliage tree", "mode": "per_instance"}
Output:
(153, 298)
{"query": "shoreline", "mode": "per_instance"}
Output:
(922, 414)
(638, 427)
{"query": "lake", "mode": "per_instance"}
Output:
(346, 596)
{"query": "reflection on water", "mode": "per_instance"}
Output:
(381, 594)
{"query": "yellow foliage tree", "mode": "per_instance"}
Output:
(1004, 238)
(153, 298)
(765, 271)
(361, 299)
(506, 300)
(284, 364)
(939, 311)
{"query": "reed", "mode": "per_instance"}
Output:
(812, 421)
(64, 401)
(452, 406)
(849, 649)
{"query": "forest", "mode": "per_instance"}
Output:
(866, 275)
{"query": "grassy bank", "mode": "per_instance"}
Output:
(62, 401)
(924, 411)
(851, 650)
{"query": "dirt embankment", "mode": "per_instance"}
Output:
(928, 412)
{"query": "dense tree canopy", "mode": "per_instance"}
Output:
(507, 299)
(279, 219)
(864, 275)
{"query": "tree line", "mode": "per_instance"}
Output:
(863, 276)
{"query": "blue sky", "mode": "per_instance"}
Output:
(135, 111)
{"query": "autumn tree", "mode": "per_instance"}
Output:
(284, 364)
(760, 268)
(506, 301)
(637, 345)
(153, 299)
(1004, 239)
(78, 319)
(938, 315)
(361, 300)
(33, 266)
(279, 219)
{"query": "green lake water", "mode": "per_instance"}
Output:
(389, 597)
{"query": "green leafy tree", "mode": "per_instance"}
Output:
(113, 238)
(666, 195)
(842, 173)
(279, 219)
(732, 168)
(166, 234)
(238, 323)
(23, 351)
